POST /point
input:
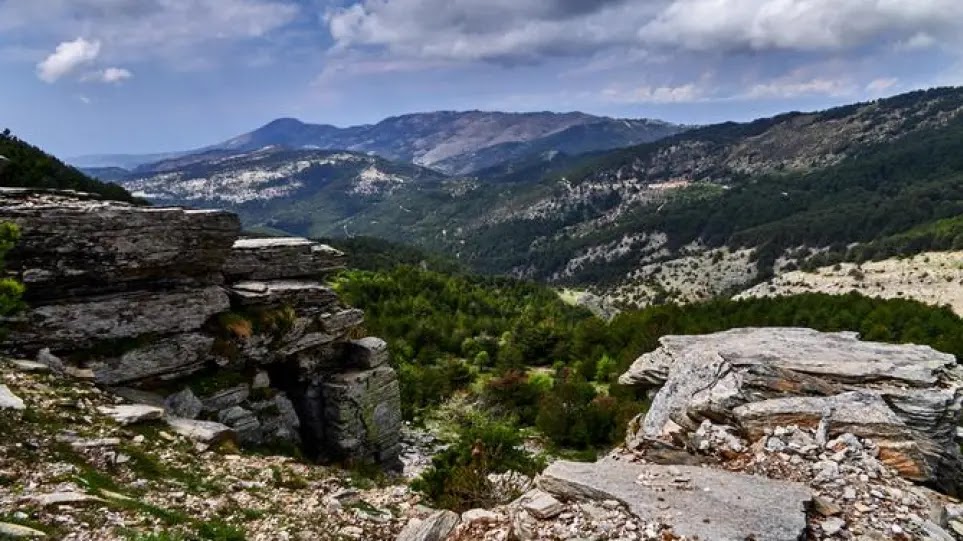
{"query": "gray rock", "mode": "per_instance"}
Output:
(832, 526)
(363, 414)
(244, 422)
(8, 400)
(207, 432)
(139, 396)
(167, 358)
(478, 515)
(339, 323)
(369, 352)
(63, 498)
(29, 366)
(277, 258)
(16, 531)
(435, 527)
(261, 380)
(906, 398)
(184, 404)
(540, 504)
(73, 246)
(132, 413)
(278, 418)
(693, 501)
(226, 398)
(934, 532)
(83, 323)
(306, 296)
(49, 359)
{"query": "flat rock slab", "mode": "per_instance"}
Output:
(435, 527)
(133, 413)
(207, 432)
(16, 531)
(28, 366)
(8, 400)
(63, 498)
(712, 504)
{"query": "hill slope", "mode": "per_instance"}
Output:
(25, 166)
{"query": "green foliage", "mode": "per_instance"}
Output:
(458, 476)
(10, 290)
(448, 332)
(27, 166)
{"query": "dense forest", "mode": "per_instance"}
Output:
(527, 359)
(25, 166)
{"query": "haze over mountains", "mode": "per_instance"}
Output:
(451, 142)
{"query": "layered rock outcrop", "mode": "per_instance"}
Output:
(906, 399)
(223, 330)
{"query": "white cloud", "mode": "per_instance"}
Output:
(881, 86)
(69, 56)
(784, 89)
(687, 93)
(115, 75)
(806, 25)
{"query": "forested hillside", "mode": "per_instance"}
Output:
(24, 165)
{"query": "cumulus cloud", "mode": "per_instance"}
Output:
(499, 30)
(799, 24)
(69, 56)
(134, 30)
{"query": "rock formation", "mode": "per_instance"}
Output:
(905, 398)
(173, 302)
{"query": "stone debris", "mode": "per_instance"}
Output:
(541, 505)
(63, 498)
(29, 366)
(184, 404)
(129, 414)
(8, 400)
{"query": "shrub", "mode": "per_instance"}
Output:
(458, 477)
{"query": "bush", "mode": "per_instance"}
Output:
(458, 477)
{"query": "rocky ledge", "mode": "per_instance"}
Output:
(905, 398)
(234, 338)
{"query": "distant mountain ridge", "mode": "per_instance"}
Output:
(453, 142)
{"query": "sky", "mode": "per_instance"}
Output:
(134, 76)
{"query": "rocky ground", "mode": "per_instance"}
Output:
(932, 278)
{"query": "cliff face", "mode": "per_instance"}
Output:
(172, 303)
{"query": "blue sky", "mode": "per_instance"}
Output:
(105, 76)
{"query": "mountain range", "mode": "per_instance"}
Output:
(691, 215)
(448, 141)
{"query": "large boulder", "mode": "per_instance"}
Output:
(72, 245)
(699, 503)
(362, 411)
(907, 398)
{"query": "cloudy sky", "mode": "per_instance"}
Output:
(96, 76)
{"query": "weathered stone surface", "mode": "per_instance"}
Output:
(435, 527)
(276, 258)
(129, 414)
(207, 432)
(64, 498)
(139, 396)
(338, 323)
(540, 504)
(368, 352)
(28, 366)
(363, 414)
(478, 515)
(78, 324)
(16, 531)
(278, 418)
(907, 398)
(72, 246)
(184, 404)
(226, 398)
(711, 504)
(167, 358)
(8, 400)
(307, 296)
(244, 422)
